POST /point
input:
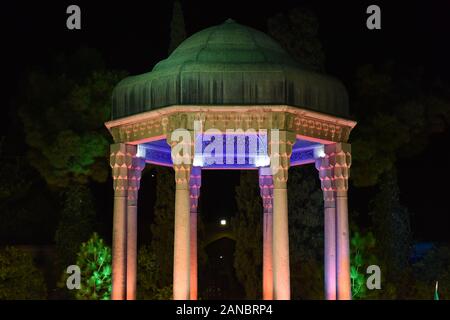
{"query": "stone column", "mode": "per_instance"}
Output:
(194, 184)
(280, 153)
(182, 153)
(266, 186)
(327, 185)
(134, 180)
(121, 156)
(340, 159)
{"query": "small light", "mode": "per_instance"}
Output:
(319, 152)
(198, 160)
(153, 175)
(221, 257)
(262, 160)
(141, 151)
(223, 222)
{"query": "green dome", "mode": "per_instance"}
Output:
(229, 64)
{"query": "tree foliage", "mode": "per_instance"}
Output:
(27, 210)
(297, 32)
(247, 227)
(177, 27)
(15, 178)
(147, 277)
(147, 272)
(63, 110)
(392, 227)
(163, 225)
(19, 277)
(305, 205)
(76, 224)
(361, 256)
(94, 260)
(28, 215)
(435, 266)
(397, 112)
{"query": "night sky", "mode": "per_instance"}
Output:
(134, 36)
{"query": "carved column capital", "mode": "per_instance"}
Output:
(334, 171)
(195, 185)
(266, 188)
(326, 180)
(340, 159)
(126, 170)
(280, 150)
(134, 179)
(182, 152)
(120, 160)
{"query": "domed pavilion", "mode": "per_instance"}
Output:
(230, 98)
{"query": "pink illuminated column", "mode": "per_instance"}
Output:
(195, 184)
(340, 160)
(181, 256)
(327, 184)
(281, 143)
(134, 179)
(266, 186)
(121, 156)
(182, 155)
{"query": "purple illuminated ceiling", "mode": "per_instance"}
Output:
(158, 152)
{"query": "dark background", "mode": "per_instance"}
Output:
(134, 36)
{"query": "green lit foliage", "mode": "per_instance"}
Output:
(177, 27)
(297, 32)
(94, 260)
(76, 223)
(363, 253)
(305, 203)
(361, 250)
(19, 278)
(247, 227)
(163, 223)
(63, 110)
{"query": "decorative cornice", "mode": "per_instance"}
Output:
(152, 124)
